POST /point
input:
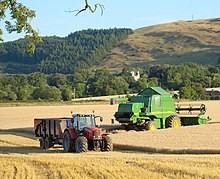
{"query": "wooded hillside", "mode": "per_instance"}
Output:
(172, 43)
(82, 49)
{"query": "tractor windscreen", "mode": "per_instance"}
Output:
(87, 121)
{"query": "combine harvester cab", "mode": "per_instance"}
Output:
(77, 134)
(155, 108)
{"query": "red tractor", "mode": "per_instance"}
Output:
(77, 134)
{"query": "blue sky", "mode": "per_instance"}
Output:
(52, 19)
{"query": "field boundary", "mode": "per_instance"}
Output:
(164, 151)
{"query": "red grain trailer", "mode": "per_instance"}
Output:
(78, 133)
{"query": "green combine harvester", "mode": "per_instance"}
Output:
(155, 108)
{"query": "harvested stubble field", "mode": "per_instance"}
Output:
(145, 154)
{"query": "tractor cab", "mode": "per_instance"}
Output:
(80, 121)
(86, 134)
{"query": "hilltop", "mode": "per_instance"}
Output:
(171, 43)
(114, 49)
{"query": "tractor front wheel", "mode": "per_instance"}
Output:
(151, 125)
(68, 144)
(81, 144)
(173, 122)
(107, 143)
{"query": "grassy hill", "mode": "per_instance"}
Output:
(171, 43)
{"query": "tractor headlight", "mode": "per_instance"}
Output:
(96, 135)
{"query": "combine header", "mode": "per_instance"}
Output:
(191, 114)
(155, 108)
(77, 134)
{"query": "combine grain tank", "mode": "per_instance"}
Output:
(78, 133)
(155, 108)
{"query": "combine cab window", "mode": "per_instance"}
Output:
(157, 101)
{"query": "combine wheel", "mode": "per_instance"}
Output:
(173, 122)
(128, 127)
(108, 144)
(48, 143)
(81, 144)
(151, 125)
(68, 144)
(42, 143)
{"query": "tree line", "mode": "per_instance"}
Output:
(81, 49)
(190, 79)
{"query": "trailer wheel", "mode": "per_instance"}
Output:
(42, 143)
(151, 125)
(68, 144)
(48, 143)
(173, 122)
(81, 144)
(107, 143)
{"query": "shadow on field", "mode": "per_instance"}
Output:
(22, 132)
(20, 148)
(26, 150)
(151, 150)
(211, 122)
(111, 127)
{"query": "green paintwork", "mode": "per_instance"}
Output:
(186, 121)
(148, 92)
(128, 112)
(128, 107)
(120, 100)
(157, 105)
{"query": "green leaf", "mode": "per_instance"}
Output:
(31, 48)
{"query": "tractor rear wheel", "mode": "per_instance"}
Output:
(42, 143)
(151, 125)
(81, 144)
(68, 144)
(108, 144)
(173, 122)
(48, 143)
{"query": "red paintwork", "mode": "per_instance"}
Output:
(36, 123)
(73, 133)
(88, 132)
(56, 119)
